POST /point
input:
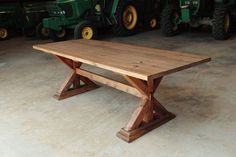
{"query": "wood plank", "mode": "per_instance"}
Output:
(68, 82)
(138, 84)
(73, 92)
(136, 61)
(109, 82)
(137, 117)
(130, 136)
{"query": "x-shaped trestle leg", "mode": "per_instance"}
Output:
(72, 85)
(149, 114)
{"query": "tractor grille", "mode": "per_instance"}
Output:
(67, 8)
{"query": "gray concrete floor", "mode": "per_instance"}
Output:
(34, 124)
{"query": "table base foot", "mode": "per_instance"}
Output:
(130, 136)
(76, 91)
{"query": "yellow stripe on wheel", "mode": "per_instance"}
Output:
(3, 33)
(61, 34)
(226, 23)
(153, 23)
(87, 33)
(130, 17)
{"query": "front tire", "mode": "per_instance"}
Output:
(221, 24)
(127, 19)
(4, 33)
(41, 32)
(85, 30)
(58, 35)
(169, 20)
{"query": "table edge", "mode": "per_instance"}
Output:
(122, 71)
(99, 65)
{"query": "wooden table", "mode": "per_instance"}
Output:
(142, 67)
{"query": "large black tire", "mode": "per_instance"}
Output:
(221, 23)
(4, 33)
(168, 26)
(58, 35)
(86, 30)
(41, 32)
(119, 28)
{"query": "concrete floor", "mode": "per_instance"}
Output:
(34, 124)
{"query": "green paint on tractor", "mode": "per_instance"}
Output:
(71, 14)
(66, 13)
(219, 14)
(22, 16)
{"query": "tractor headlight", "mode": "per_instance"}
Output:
(62, 12)
(59, 12)
(98, 8)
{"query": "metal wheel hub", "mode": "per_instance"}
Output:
(130, 17)
(226, 23)
(45, 32)
(153, 23)
(3, 33)
(61, 33)
(87, 33)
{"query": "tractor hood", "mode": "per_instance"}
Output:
(70, 8)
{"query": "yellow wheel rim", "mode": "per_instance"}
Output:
(130, 17)
(3, 33)
(226, 23)
(87, 33)
(61, 34)
(153, 23)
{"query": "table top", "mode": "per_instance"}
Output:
(135, 61)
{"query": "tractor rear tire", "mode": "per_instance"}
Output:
(41, 32)
(127, 18)
(85, 30)
(4, 33)
(58, 35)
(221, 23)
(168, 27)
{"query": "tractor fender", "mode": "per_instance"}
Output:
(53, 23)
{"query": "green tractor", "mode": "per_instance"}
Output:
(24, 16)
(32, 14)
(218, 14)
(8, 16)
(86, 17)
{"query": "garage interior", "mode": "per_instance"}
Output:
(33, 123)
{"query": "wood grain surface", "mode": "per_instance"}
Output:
(136, 61)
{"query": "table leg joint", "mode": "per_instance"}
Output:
(73, 83)
(149, 114)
